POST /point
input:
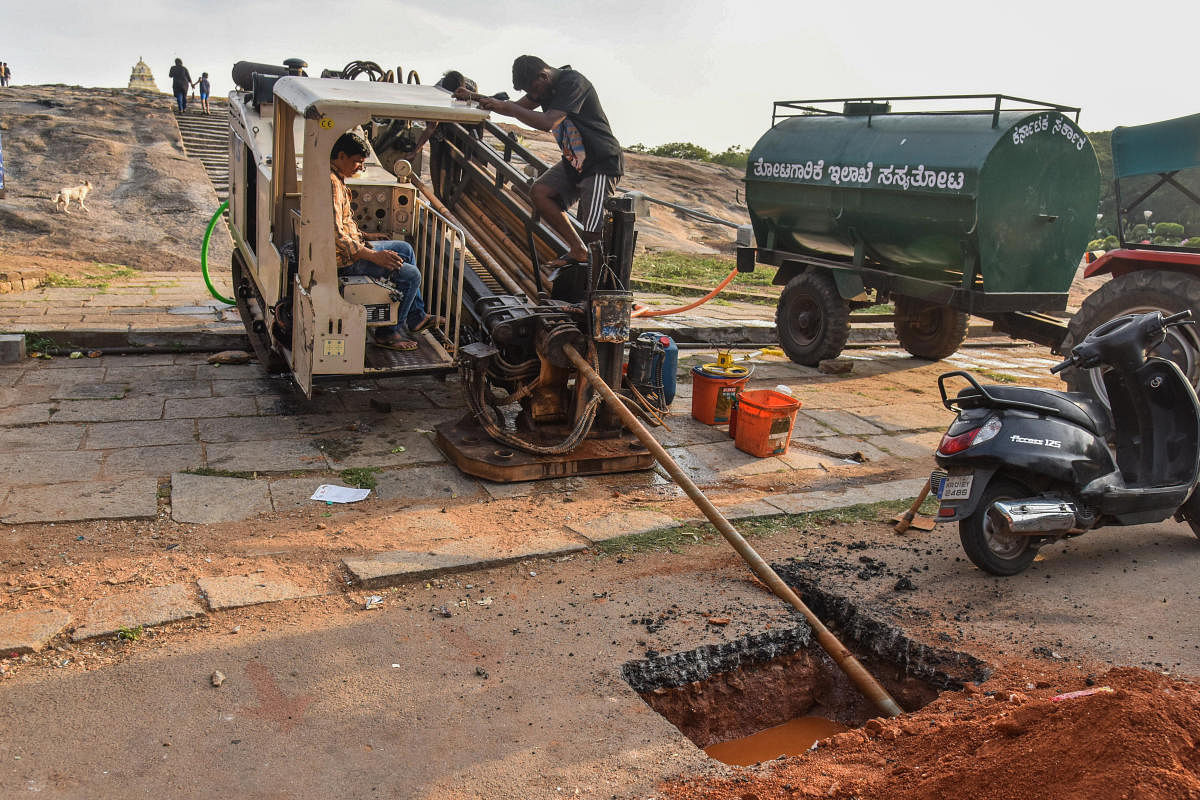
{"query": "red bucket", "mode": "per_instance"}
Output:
(713, 396)
(764, 422)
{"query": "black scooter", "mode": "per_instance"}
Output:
(1021, 467)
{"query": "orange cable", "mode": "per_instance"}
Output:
(645, 312)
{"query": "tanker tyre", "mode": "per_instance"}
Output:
(1131, 293)
(929, 331)
(812, 319)
(264, 351)
(989, 549)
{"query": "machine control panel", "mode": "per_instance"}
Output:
(383, 209)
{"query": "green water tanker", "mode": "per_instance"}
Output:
(980, 204)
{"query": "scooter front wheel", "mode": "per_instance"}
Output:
(988, 548)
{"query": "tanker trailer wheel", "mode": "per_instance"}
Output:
(1138, 293)
(927, 330)
(246, 294)
(812, 319)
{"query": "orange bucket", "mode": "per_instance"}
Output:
(712, 396)
(764, 422)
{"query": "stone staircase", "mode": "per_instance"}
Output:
(206, 138)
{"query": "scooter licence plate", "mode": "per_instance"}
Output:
(956, 487)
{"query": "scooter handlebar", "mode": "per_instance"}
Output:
(1060, 366)
(1174, 319)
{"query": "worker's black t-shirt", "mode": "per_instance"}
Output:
(585, 137)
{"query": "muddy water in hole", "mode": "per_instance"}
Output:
(789, 739)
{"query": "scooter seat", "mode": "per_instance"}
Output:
(1079, 408)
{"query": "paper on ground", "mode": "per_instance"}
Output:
(329, 493)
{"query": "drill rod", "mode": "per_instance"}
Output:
(854, 670)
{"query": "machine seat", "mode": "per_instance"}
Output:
(1076, 407)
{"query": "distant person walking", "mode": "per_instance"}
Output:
(5, 74)
(205, 87)
(181, 81)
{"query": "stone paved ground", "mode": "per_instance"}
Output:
(166, 433)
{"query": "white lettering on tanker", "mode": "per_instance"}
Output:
(807, 171)
(920, 178)
(1062, 127)
(904, 176)
(851, 174)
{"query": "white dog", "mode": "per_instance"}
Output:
(63, 199)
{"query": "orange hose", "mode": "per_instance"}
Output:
(645, 312)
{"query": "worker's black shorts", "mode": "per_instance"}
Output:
(590, 191)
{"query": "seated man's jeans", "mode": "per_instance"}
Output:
(406, 280)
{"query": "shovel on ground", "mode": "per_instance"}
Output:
(910, 518)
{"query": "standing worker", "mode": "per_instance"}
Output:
(591, 164)
(181, 81)
(5, 74)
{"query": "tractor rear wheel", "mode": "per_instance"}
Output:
(927, 330)
(1138, 293)
(812, 319)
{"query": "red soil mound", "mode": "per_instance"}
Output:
(1002, 742)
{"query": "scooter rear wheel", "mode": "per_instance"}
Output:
(988, 548)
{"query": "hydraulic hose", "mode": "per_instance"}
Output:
(643, 312)
(212, 223)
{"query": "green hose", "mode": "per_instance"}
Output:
(212, 223)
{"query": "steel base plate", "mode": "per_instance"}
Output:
(467, 445)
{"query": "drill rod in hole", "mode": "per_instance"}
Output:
(857, 673)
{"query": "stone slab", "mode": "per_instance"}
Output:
(622, 523)
(375, 450)
(210, 407)
(288, 494)
(41, 437)
(146, 608)
(91, 391)
(12, 348)
(284, 455)
(805, 502)
(29, 468)
(427, 484)
(132, 408)
(843, 422)
(29, 414)
(907, 416)
(235, 591)
(159, 461)
(749, 510)
(206, 499)
(108, 435)
(29, 631)
(72, 502)
(405, 566)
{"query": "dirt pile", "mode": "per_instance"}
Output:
(1007, 740)
(149, 204)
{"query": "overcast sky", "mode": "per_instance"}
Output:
(704, 71)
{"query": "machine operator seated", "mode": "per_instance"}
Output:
(373, 255)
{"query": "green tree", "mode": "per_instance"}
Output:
(733, 156)
(692, 152)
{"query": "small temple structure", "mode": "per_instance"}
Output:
(141, 78)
